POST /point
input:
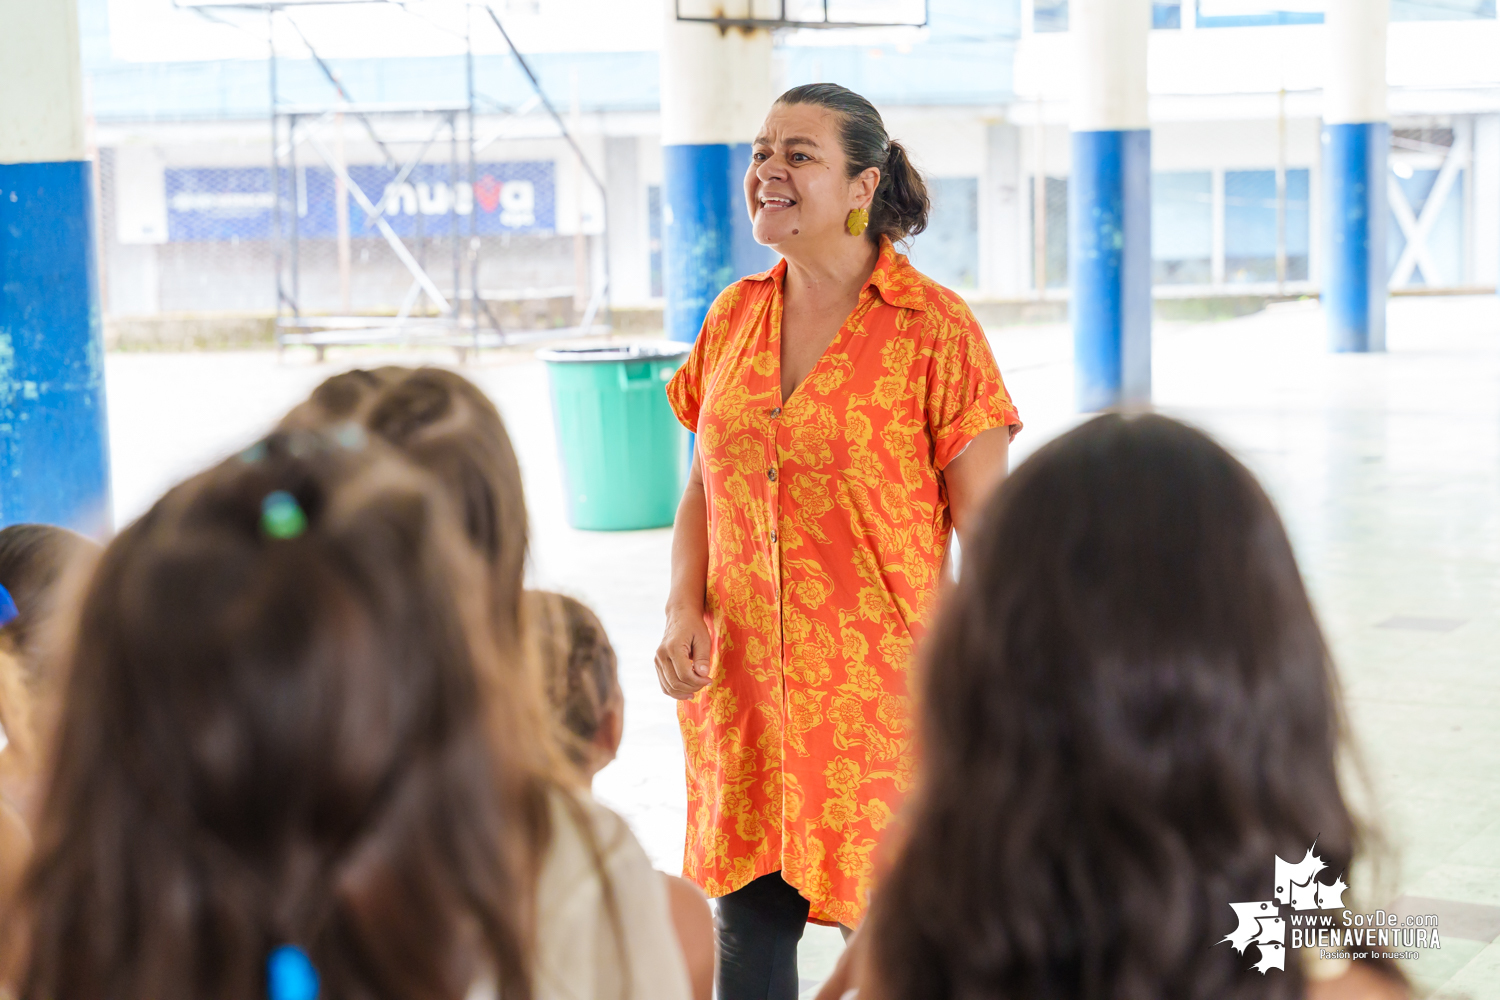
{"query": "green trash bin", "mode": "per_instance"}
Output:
(624, 455)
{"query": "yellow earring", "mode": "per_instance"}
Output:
(857, 221)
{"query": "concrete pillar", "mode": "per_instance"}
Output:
(629, 256)
(1356, 143)
(1109, 204)
(1002, 271)
(715, 92)
(54, 444)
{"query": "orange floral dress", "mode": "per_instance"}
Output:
(827, 525)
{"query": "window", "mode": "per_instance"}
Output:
(1182, 228)
(1444, 245)
(1247, 13)
(1441, 10)
(947, 251)
(653, 214)
(1250, 236)
(1166, 15)
(1049, 15)
(1054, 218)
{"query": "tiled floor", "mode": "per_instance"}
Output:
(1385, 467)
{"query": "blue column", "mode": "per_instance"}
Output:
(715, 92)
(1354, 219)
(1109, 204)
(707, 240)
(54, 442)
(1356, 144)
(1109, 265)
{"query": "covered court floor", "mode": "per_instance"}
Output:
(1386, 468)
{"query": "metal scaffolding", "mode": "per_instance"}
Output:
(461, 317)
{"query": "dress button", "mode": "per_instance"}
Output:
(773, 538)
(771, 475)
(775, 412)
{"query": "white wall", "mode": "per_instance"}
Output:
(943, 142)
(1232, 145)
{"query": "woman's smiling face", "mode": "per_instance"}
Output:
(796, 188)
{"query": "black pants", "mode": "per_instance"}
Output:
(759, 927)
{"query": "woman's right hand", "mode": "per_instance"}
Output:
(682, 659)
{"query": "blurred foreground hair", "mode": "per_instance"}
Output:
(34, 559)
(1126, 712)
(446, 425)
(276, 734)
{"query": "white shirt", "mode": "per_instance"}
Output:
(579, 948)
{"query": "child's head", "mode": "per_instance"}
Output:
(17, 753)
(446, 425)
(568, 645)
(277, 730)
(34, 558)
(1126, 711)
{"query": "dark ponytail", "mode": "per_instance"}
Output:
(901, 203)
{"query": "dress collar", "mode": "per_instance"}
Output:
(897, 282)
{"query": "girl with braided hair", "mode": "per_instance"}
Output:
(603, 928)
(568, 644)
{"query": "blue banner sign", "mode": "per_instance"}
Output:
(230, 204)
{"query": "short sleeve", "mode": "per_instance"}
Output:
(965, 394)
(685, 391)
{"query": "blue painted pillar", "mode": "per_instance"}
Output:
(1109, 205)
(54, 443)
(715, 92)
(1356, 144)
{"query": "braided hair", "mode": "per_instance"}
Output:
(577, 663)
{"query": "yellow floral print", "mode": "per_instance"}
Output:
(828, 525)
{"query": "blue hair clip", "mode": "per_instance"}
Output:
(290, 975)
(281, 515)
(8, 610)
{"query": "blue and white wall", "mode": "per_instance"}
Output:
(54, 454)
(1356, 146)
(982, 98)
(716, 90)
(1109, 204)
(1233, 98)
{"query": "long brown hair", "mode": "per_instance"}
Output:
(446, 425)
(1127, 711)
(277, 732)
(34, 558)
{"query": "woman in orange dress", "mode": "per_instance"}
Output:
(849, 416)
